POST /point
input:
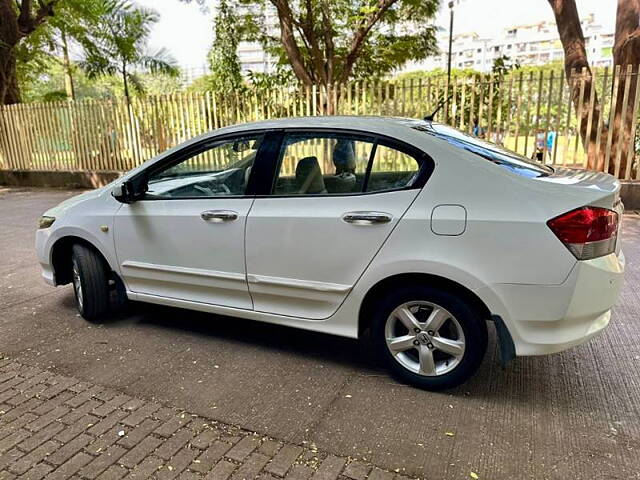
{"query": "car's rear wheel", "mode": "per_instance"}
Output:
(90, 283)
(428, 337)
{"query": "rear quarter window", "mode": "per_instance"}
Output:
(502, 157)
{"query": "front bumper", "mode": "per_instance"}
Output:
(42, 237)
(545, 319)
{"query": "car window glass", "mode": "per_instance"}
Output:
(221, 170)
(391, 169)
(312, 164)
(502, 157)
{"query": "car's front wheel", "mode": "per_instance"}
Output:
(90, 283)
(428, 337)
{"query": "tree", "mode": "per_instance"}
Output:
(76, 21)
(19, 19)
(223, 56)
(626, 51)
(118, 47)
(69, 27)
(326, 41)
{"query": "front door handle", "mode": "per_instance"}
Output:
(218, 216)
(366, 218)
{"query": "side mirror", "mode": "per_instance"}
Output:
(240, 146)
(121, 193)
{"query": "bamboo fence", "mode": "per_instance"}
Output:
(521, 111)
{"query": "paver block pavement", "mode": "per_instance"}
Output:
(72, 429)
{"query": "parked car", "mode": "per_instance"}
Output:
(408, 232)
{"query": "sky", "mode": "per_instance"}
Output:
(186, 31)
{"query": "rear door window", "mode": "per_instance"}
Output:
(340, 163)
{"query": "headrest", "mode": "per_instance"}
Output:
(309, 176)
(344, 156)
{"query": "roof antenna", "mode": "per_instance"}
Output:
(441, 103)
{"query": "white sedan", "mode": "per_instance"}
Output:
(408, 231)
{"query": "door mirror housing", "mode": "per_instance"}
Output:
(122, 193)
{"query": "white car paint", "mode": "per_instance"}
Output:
(291, 261)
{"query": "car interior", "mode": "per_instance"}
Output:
(342, 168)
(309, 165)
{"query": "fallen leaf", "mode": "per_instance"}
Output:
(449, 434)
(347, 396)
(121, 433)
(474, 475)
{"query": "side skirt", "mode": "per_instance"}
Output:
(334, 325)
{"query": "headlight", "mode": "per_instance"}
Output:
(46, 222)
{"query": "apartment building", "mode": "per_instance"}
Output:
(533, 44)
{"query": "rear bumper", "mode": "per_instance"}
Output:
(545, 319)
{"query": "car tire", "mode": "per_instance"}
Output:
(90, 283)
(415, 357)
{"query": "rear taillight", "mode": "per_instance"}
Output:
(588, 232)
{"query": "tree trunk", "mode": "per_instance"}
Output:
(18, 19)
(626, 51)
(9, 91)
(68, 73)
(577, 70)
(9, 38)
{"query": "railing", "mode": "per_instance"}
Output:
(534, 114)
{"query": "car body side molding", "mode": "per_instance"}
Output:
(300, 284)
(184, 270)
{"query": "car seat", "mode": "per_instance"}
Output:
(344, 159)
(309, 176)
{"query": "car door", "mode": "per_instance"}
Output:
(185, 238)
(335, 199)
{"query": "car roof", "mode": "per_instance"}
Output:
(368, 123)
(395, 127)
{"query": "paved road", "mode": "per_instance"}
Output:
(570, 415)
(58, 427)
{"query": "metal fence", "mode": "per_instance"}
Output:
(529, 112)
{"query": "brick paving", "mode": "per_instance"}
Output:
(58, 427)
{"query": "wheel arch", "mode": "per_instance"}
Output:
(402, 279)
(61, 252)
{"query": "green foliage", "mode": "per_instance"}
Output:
(72, 22)
(49, 85)
(385, 52)
(283, 76)
(401, 33)
(201, 84)
(119, 46)
(223, 58)
(334, 41)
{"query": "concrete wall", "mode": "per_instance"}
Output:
(630, 192)
(29, 178)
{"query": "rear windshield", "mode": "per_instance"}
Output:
(500, 156)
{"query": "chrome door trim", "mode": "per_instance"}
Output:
(219, 216)
(367, 218)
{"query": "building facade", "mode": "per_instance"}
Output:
(533, 44)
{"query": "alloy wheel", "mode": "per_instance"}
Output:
(77, 284)
(425, 338)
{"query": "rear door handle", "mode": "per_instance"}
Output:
(219, 216)
(366, 218)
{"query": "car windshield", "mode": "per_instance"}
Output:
(500, 156)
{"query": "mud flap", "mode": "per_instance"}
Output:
(505, 343)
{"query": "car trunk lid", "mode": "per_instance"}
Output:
(588, 188)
